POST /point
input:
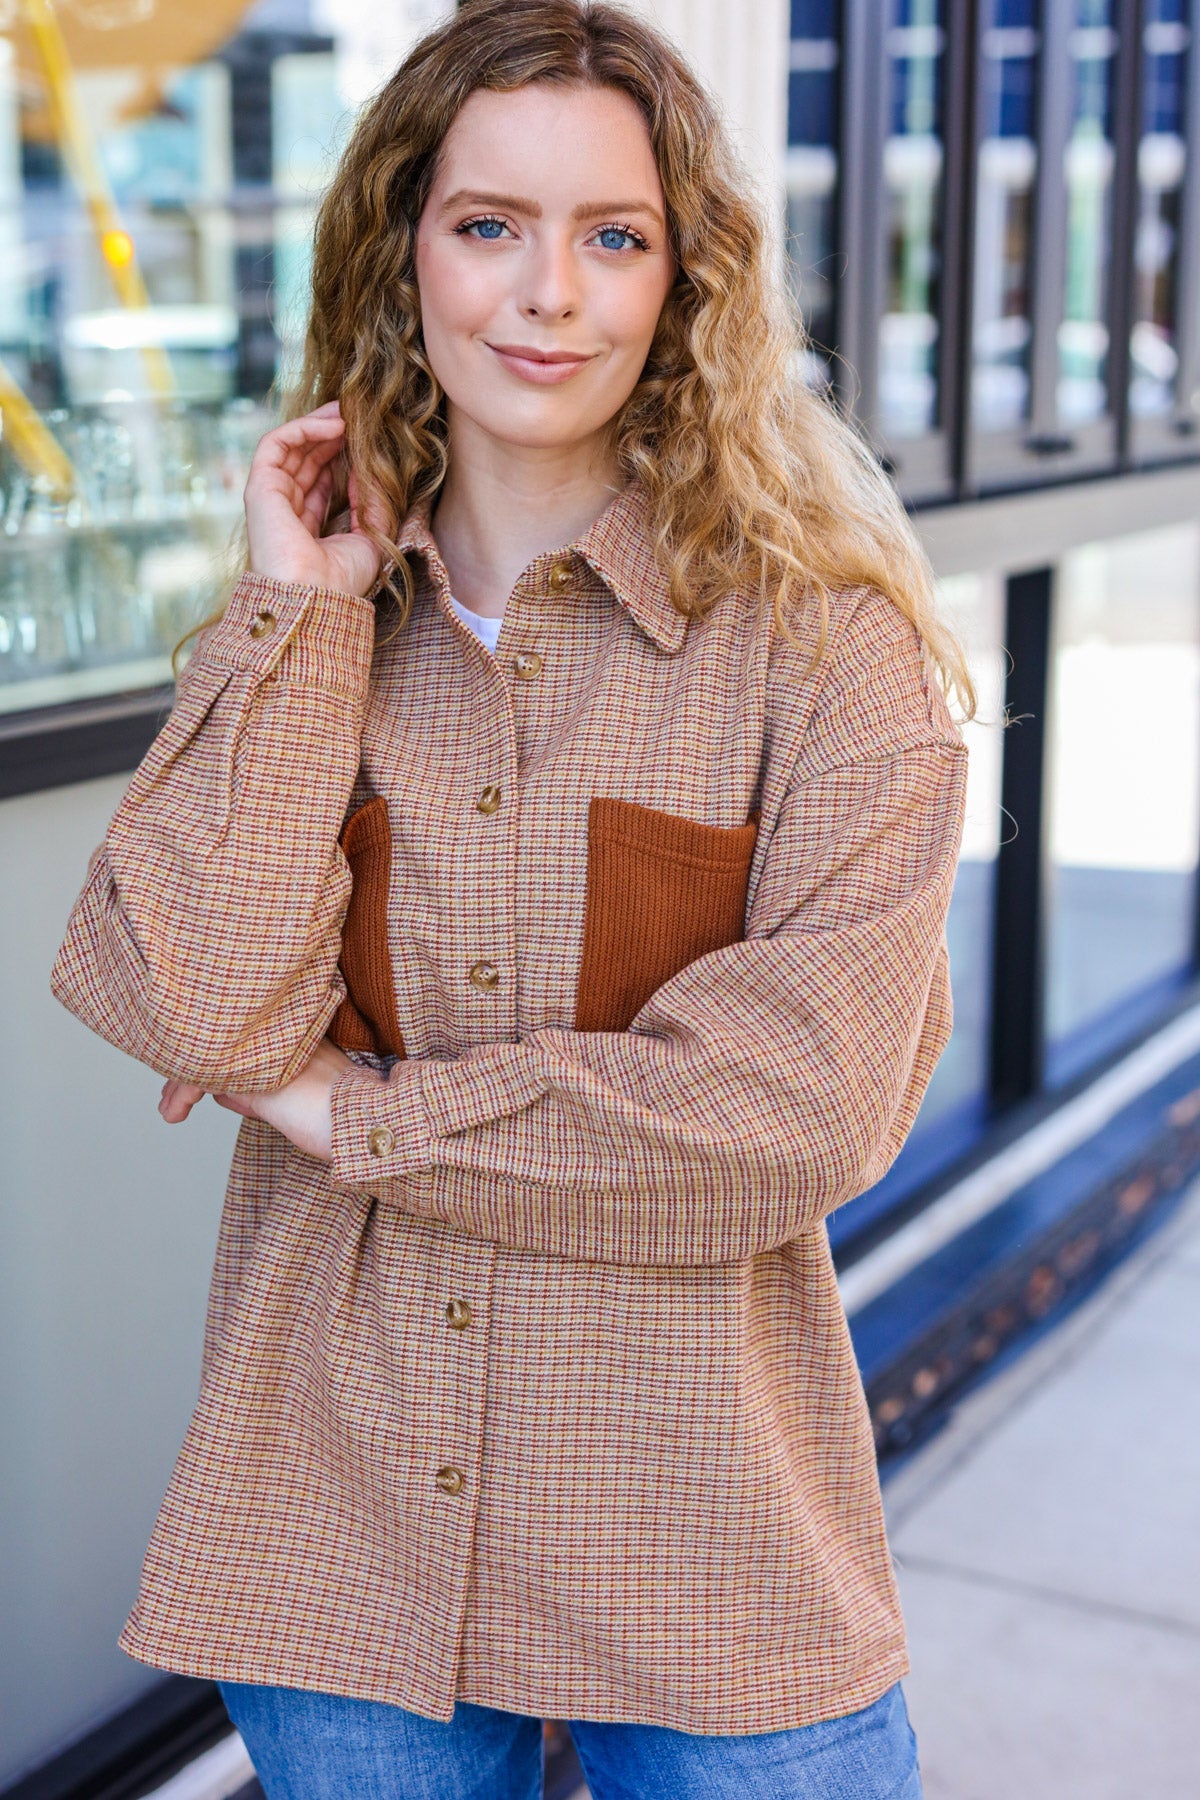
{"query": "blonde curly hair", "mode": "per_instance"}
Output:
(755, 482)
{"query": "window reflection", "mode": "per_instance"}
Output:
(954, 1109)
(1122, 794)
(154, 267)
(974, 606)
(1160, 169)
(913, 175)
(1083, 341)
(1004, 215)
(812, 173)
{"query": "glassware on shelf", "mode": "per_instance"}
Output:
(40, 631)
(114, 571)
(101, 449)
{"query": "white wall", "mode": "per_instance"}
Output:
(739, 49)
(108, 1223)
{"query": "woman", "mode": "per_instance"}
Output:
(548, 856)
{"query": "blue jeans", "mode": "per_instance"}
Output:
(312, 1746)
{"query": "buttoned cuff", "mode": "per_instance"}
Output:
(318, 636)
(380, 1129)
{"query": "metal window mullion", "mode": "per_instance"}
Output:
(974, 72)
(1195, 957)
(1049, 274)
(861, 257)
(957, 242)
(1017, 1050)
(1187, 374)
(1127, 133)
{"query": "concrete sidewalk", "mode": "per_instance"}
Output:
(1047, 1546)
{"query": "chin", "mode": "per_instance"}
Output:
(535, 434)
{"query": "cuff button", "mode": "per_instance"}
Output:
(264, 623)
(381, 1141)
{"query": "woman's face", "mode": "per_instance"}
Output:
(543, 237)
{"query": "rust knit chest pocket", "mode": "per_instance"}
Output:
(662, 890)
(366, 1019)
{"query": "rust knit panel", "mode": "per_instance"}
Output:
(662, 890)
(366, 1019)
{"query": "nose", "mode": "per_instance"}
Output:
(550, 278)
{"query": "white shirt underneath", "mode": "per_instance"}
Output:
(487, 630)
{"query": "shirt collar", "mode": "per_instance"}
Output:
(616, 546)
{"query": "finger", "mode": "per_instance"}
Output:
(293, 478)
(235, 1104)
(298, 468)
(274, 450)
(316, 503)
(179, 1098)
(292, 486)
(317, 458)
(177, 1101)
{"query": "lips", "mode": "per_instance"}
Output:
(527, 353)
(544, 368)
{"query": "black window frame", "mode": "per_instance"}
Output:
(1174, 436)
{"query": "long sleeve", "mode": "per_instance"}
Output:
(205, 941)
(761, 1086)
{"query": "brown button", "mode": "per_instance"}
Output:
(459, 1313)
(484, 975)
(560, 575)
(449, 1479)
(381, 1141)
(489, 800)
(264, 623)
(527, 664)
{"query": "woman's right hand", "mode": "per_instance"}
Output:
(287, 496)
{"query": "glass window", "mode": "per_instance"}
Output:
(1123, 801)
(158, 180)
(913, 173)
(1004, 196)
(1083, 338)
(1161, 160)
(812, 173)
(954, 1109)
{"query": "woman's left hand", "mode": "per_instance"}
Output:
(302, 1110)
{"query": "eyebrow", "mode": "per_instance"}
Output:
(588, 209)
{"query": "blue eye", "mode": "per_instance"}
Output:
(634, 239)
(489, 229)
(616, 238)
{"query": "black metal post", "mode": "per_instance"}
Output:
(1018, 960)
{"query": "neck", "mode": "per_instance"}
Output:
(501, 505)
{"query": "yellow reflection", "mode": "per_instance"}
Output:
(29, 439)
(83, 159)
(117, 248)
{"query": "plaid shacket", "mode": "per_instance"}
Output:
(541, 1395)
